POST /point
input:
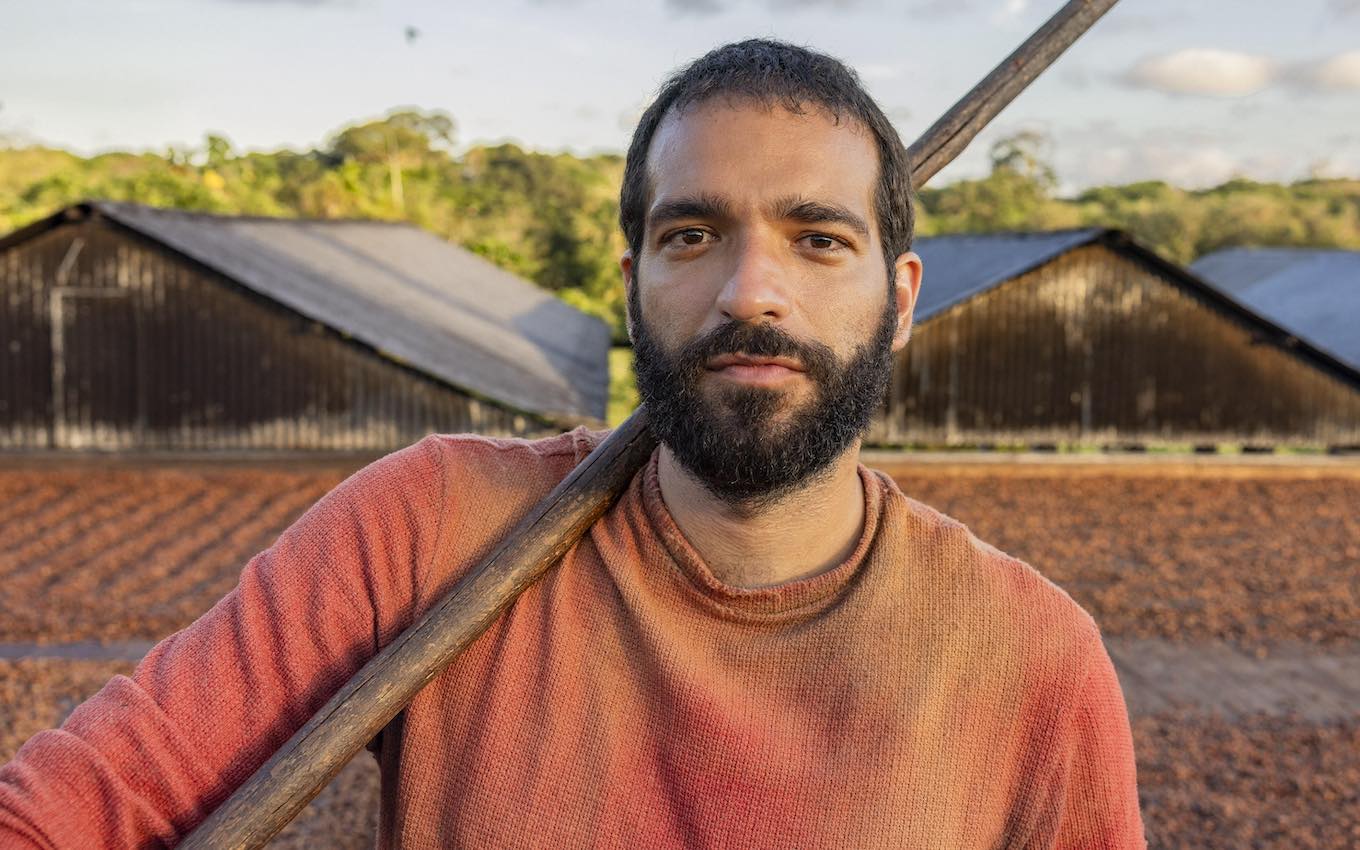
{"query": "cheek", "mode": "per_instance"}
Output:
(676, 301)
(662, 309)
(845, 316)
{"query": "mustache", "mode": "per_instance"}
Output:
(756, 340)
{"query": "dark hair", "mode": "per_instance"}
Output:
(775, 73)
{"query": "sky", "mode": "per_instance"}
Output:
(1193, 93)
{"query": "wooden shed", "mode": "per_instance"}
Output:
(129, 327)
(1083, 337)
(1312, 293)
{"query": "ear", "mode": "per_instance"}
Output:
(629, 281)
(905, 290)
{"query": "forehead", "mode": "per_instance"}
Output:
(750, 152)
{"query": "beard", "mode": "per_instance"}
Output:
(731, 439)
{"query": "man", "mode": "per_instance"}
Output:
(763, 644)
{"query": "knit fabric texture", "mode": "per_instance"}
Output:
(928, 692)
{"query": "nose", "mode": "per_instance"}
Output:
(756, 289)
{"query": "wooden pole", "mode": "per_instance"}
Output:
(276, 792)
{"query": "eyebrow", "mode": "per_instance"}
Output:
(790, 208)
(797, 208)
(705, 206)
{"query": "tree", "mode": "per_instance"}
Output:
(1017, 195)
(1026, 153)
(216, 150)
(412, 136)
(403, 140)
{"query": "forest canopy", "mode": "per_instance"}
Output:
(551, 218)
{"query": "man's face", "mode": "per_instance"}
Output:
(762, 318)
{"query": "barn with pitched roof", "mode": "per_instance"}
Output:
(1085, 338)
(130, 327)
(1312, 293)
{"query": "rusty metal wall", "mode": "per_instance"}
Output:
(108, 342)
(1099, 348)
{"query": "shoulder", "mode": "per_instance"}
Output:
(464, 481)
(1008, 604)
(440, 465)
(485, 486)
(468, 457)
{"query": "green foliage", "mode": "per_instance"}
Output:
(552, 218)
(1017, 195)
(1179, 224)
(547, 217)
(1026, 155)
(623, 394)
(411, 137)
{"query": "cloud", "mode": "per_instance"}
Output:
(1121, 20)
(1221, 73)
(1339, 73)
(1248, 108)
(1204, 71)
(1074, 76)
(294, 2)
(628, 118)
(1329, 168)
(1344, 8)
(703, 8)
(935, 9)
(898, 115)
(874, 72)
(1183, 159)
(1108, 152)
(698, 8)
(812, 4)
(1009, 11)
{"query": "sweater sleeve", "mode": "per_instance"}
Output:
(1100, 799)
(145, 760)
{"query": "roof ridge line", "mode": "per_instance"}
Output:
(111, 207)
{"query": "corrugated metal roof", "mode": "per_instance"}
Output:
(1309, 295)
(417, 299)
(956, 268)
(1312, 294)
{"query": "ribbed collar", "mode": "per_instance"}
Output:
(791, 600)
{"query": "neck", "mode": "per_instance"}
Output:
(807, 532)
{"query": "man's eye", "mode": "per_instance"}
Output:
(689, 236)
(822, 242)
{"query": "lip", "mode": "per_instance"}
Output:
(747, 360)
(756, 371)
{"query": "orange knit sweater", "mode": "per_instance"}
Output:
(929, 692)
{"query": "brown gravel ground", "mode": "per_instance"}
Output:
(157, 546)
(1266, 783)
(1253, 560)
(38, 694)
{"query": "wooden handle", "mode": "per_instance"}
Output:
(295, 774)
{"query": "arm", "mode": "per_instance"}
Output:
(1100, 799)
(149, 756)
